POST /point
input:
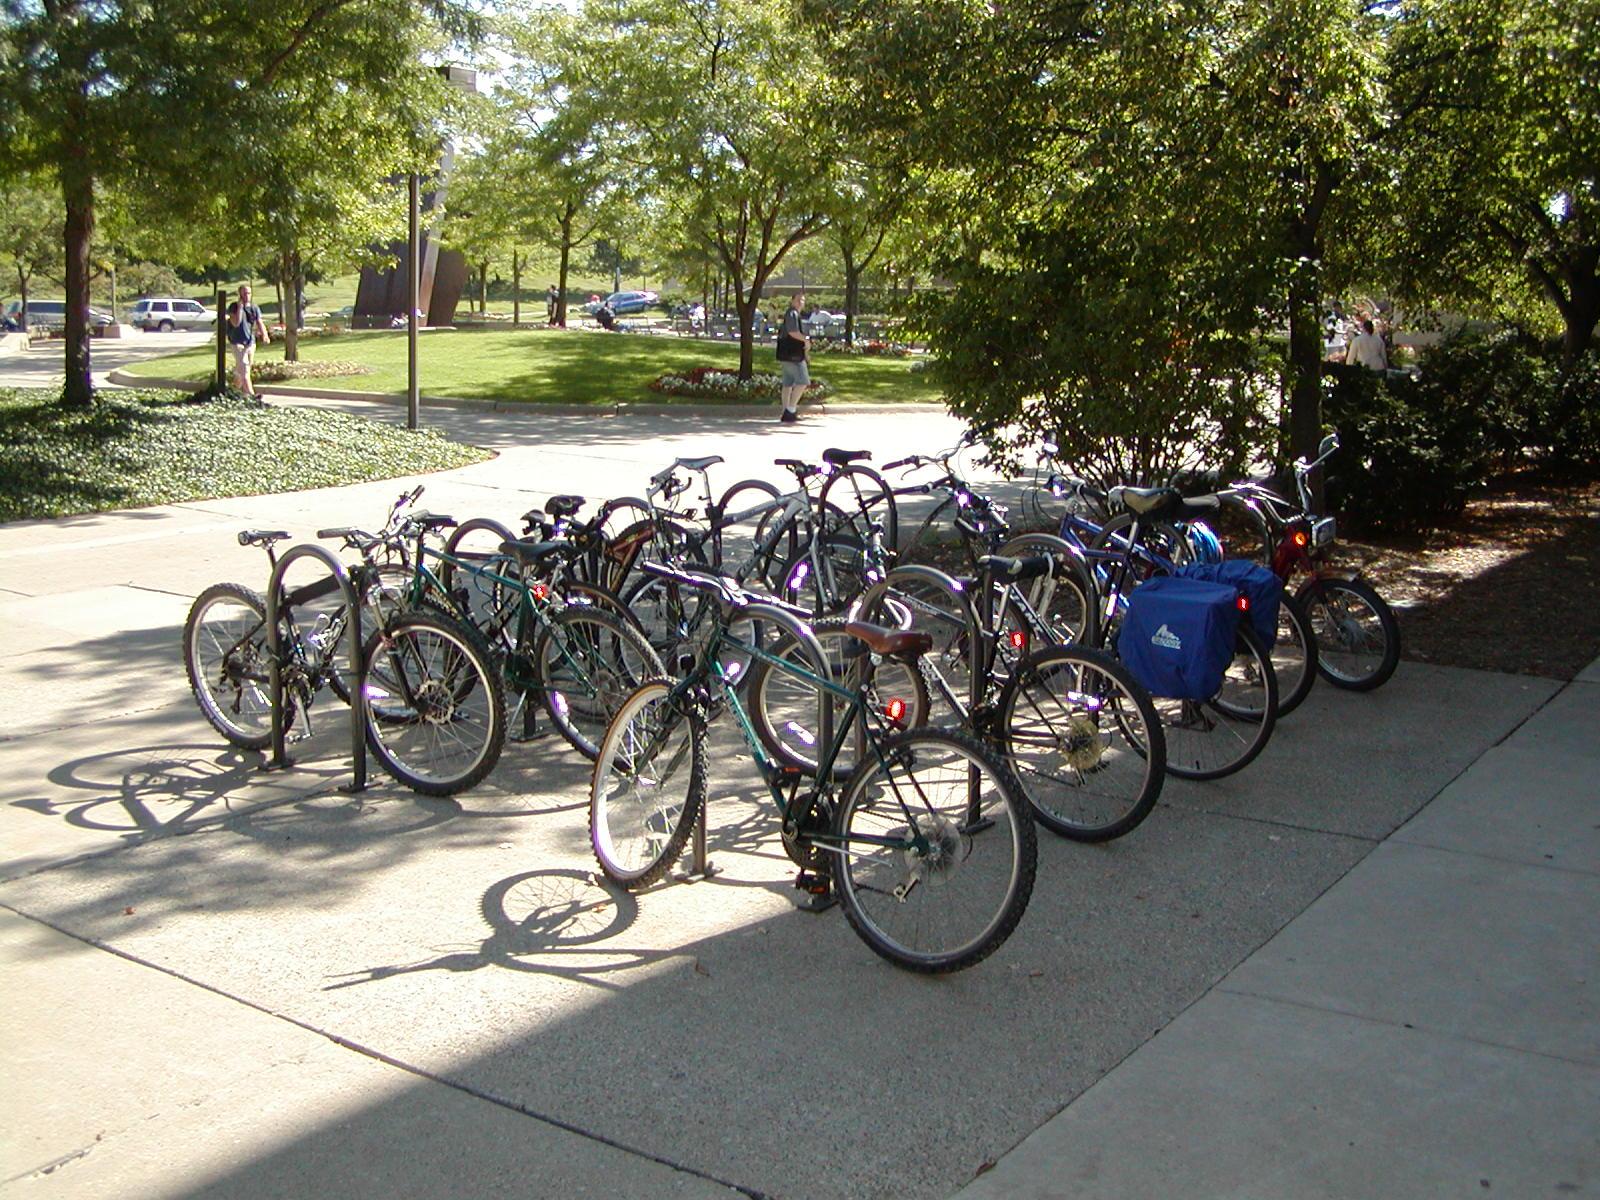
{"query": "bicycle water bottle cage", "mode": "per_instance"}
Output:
(266, 537)
(563, 506)
(840, 458)
(1032, 567)
(891, 643)
(534, 554)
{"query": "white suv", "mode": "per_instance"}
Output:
(166, 314)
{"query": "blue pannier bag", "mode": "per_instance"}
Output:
(1260, 586)
(1178, 636)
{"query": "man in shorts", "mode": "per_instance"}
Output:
(792, 347)
(244, 323)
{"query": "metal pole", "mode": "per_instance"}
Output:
(413, 287)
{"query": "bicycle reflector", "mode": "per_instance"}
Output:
(1301, 538)
(1242, 603)
(1019, 639)
(895, 710)
(540, 591)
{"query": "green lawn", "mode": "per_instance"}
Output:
(135, 448)
(542, 366)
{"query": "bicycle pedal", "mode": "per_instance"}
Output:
(813, 883)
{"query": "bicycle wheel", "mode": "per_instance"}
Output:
(930, 602)
(648, 787)
(1357, 636)
(1066, 599)
(937, 542)
(856, 498)
(1158, 537)
(225, 655)
(623, 527)
(825, 575)
(748, 512)
(436, 711)
(489, 605)
(1294, 655)
(1207, 739)
(1085, 742)
(783, 707)
(586, 662)
(937, 851)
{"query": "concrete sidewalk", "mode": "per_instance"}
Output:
(1429, 1027)
(221, 981)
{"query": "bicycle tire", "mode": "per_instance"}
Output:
(1158, 537)
(734, 543)
(636, 829)
(226, 658)
(1067, 598)
(586, 662)
(431, 685)
(937, 540)
(1294, 655)
(1354, 652)
(783, 708)
(1199, 745)
(615, 547)
(929, 601)
(1084, 741)
(898, 898)
(861, 498)
(826, 575)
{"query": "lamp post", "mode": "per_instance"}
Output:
(413, 287)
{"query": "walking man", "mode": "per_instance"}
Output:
(792, 348)
(244, 323)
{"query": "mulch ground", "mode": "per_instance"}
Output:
(1512, 585)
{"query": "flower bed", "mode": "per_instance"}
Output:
(873, 349)
(712, 383)
(286, 372)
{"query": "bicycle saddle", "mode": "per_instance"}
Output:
(532, 554)
(840, 458)
(427, 522)
(1031, 567)
(890, 641)
(563, 506)
(698, 464)
(1145, 501)
(263, 537)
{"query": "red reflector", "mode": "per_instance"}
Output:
(1019, 639)
(540, 591)
(1244, 603)
(1301, 538)
(896, 710)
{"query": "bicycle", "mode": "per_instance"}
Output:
(434, 713)
(926, 845)
(1081, 734)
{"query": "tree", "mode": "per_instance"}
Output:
(143, 98)
(1497, 120)
(1124, 197)
(30, 230)
(727, 123)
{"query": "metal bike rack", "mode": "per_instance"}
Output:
(357, 662)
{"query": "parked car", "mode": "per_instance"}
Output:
(623, 303)
(51, 314)
(166, 313)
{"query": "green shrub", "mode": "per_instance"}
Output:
(1574, 420)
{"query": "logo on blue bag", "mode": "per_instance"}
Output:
(1165, 638)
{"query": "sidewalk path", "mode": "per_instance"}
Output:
(1429, 1027)
(220, 981)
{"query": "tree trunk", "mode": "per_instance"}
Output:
(1580, 316)
(852, 296)
(288, 287)
(483, 287)
(561, 275)
(22, 290)
(1305, 368)
(77, 186)
(516, 289)
(745, 305)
